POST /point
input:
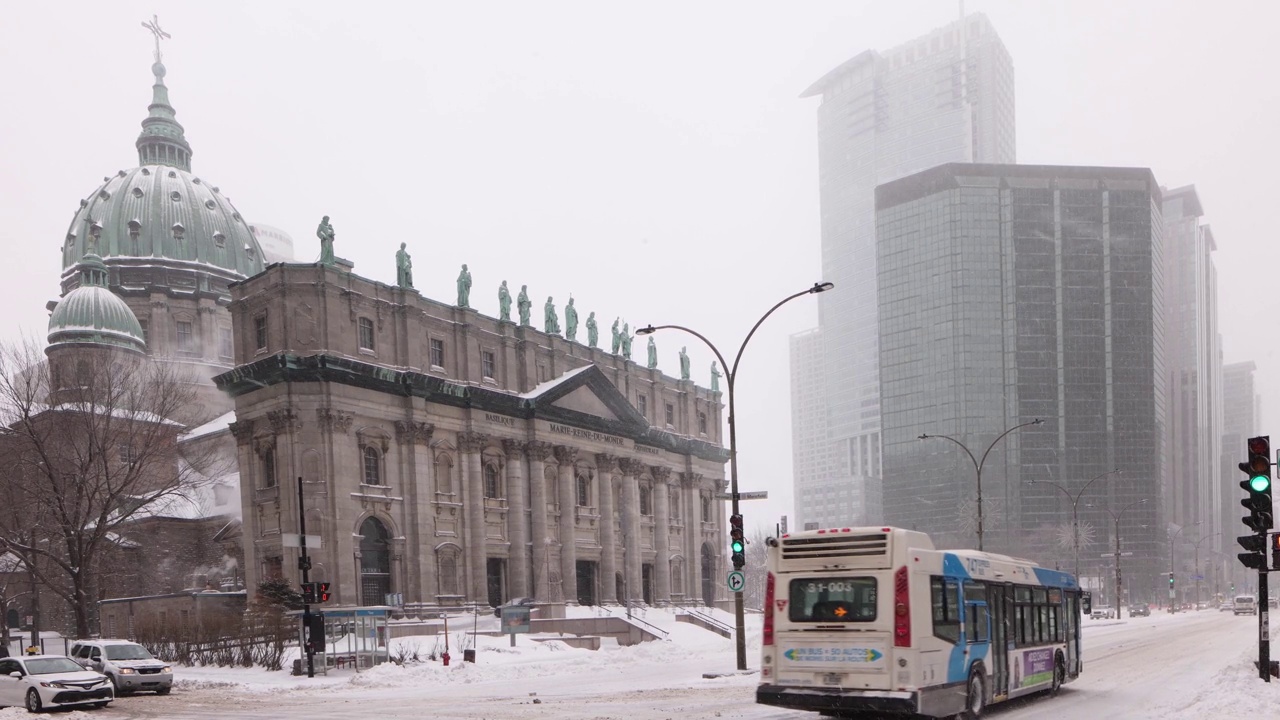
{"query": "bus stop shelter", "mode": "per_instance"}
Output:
(354, 637)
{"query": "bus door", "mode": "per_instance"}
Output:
(1071, 621)
(977, 621)
(1000, 600)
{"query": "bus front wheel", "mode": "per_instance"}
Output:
(976, 701)
(1059, 674)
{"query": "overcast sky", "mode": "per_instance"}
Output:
(652, 159)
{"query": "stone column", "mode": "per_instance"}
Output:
(539, 451)
(630, 492)
(251, 526)
(606, 466)
(661, 535)
(517, 520)
(416, 468)
(470, 445)
(567, 456)
(693, 539)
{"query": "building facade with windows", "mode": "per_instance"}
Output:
(1010, 293)
(947, 96)
(449, 457)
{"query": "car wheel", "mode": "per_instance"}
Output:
(99, 705)
(163, 691)
(34, 703)
(115, 685)
(976, 699)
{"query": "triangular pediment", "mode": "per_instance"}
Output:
(585, 398)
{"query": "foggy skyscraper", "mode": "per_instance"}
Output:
(943, 97)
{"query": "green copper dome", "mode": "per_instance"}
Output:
(92, 314)
(160, 211)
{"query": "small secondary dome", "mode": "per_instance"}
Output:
(91, 314)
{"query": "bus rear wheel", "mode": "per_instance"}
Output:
(976, 700)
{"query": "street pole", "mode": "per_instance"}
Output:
(1075, 510)
(731, 376)
(304, 564)
(1173, 595)
(1206, 537)
(1119, 582)
(977, 464)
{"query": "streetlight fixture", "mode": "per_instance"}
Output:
(1206, 537)
(731, 374)
(1075, 510)
(1116, 516)
(1173, 605)
(977, 464)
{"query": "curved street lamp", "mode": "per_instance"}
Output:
(1206, 537)
(731, 375)
(977, 464)
(1116, 516)
(1075, 510)
(1173, 605)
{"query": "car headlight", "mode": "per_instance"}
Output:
(127, 671)
(44, 683)
(166, 669)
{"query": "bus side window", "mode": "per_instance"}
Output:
(944, 595)
(979, 630)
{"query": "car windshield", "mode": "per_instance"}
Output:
(49, 666)
(127, 652)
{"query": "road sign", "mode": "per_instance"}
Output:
(291, 540)
(737, 581)
(754, 495)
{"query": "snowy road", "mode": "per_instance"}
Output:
(1192, 665)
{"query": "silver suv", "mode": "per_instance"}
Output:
(129, 665)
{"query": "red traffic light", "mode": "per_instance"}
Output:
(322, 592)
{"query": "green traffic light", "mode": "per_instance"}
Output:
(736, 546)
(1259, 483)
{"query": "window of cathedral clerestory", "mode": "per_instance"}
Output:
(702, 423)
(584, 490)
(372, 465)
(642, 404)
(437, 353)
(492, 488)
(487, 370)
(646, 500)
(706, 508)
(671, 415)
(366, 334)
(186, 341)
(225, 346)
(260, 331)
(268, 468)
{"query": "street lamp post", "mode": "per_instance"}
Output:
(977, 464)
(1075, 510)
(1116, 516)
(731, 375)
(1173, 605)
(1206, 537)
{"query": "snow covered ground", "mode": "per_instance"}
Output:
(1190, 665)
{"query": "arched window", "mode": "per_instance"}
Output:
(677, 576)
(444, 474)
(269, 468)
(706, 507)
(375, 562)
(372, 465)
(447, 567)
(646, 500)
(492, 488)
(584, 489)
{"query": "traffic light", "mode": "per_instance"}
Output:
(1255, 544)
(322, 592)
(1258, 485)
(308, 593)
(1170, 581)
(737, 542)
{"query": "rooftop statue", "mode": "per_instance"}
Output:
(617, 336)
(653, 353)
(715, 377)
(626, 341)
(504, 302)
(593, 332)
(570, 321)
(464, 287)
(523, 304)
(684, 363)
(551, 323)
(325, 233)
(404, 268)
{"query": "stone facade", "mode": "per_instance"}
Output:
(455, 458)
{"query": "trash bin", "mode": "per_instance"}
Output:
(297, 666)
(469, 655)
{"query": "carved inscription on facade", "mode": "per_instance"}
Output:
(587, 435)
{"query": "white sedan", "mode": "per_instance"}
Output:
(47, 681)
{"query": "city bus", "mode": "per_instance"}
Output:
(876, 621)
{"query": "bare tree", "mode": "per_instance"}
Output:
(89, 447)
(753, 591)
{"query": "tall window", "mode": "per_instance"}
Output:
(444, 474)
(185, 341)
(437, 353)
(448, 570)
(372, 471)
(225, 346)
(127, 455)
(642, 404)
(486, 364)
(646, 500)
(706, 508)
(366, 333)
(702, 423)
(375, 562)
(584, 490)
(675, 506)
(260, 332)
(671, 414)
(269, 468)
(491, 486)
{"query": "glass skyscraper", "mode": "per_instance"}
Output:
(944, 97)
(1010, 293)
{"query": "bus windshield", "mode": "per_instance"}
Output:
(832, 599)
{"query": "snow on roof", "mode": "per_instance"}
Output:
(117, 412)
(218, 424)
(552, 384)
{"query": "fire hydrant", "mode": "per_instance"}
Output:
(445, 657)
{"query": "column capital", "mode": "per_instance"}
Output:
(539, 450)
(566, 455)
(661, 473)
(283, 420)
(514, 448)
(412, 431)
(243, 431)
(606, 463)
(631, 466)
(334, 420)
(690, 479)
(472, 442)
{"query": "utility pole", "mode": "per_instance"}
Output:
(304, 564)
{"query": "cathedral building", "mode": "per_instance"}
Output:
(445, 457)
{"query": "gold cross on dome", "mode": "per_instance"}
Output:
(154, 27)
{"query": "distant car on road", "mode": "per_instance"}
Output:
(1139, 611)
(1245, 605)
(1226, 607)
(1271, 602)
(1102, 612)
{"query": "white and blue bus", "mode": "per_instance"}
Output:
(876, 621)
